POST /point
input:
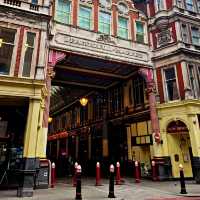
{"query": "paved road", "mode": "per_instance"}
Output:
(147, 190)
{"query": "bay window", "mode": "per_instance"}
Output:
(189, 5)
(85, 17)
(28, 56)
(123, 27)
(170, 84)
(140, 32)
(63, 11)
(104, 23)
(7, 43)
(195, 36)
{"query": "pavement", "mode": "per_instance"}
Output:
(128, 190)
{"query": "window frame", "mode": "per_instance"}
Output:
(156, 6)
(102, 11)
(70, 13)
(144, 30)
(91, 17)
(193, 6)
(14, 54)
(34, 55)
(165, 85)
(197, 28)
(187, 32)
(128, 25)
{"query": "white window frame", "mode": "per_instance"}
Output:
(106, 12)
(187, 30)
(194, 26)
(34, 61)
(71, 12)
(193, 7)
(194, 91)
(180, 4)
(14, 54)
(128, 25)
(165, 85)
(86, 5)
(156, 6)
(145, 30)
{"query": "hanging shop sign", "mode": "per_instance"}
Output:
(60, 135)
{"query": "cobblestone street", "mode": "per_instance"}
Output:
(146, 190)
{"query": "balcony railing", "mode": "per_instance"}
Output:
(24, 5)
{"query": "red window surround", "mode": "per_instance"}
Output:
(180, 80)
(19, 50)
(160, 84)
(151, 8)
(169, 4)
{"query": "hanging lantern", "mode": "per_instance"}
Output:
(50, 119)
(83, 101)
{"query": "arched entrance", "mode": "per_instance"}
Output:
(179, 146)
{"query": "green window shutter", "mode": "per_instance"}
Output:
(140, 32)
(63, 11)
(123, 27)
(104, 23)
(85, 15)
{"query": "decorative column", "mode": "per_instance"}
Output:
(151, 91)
(54, 57)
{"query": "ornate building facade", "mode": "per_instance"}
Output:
(174, 37)
(23, 56)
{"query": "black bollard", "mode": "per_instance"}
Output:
(78, 183)
(182, 180)
(111, 183)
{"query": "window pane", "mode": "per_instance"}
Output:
(28, 54)
(184, 33)
(85, 17)
(104, 22)
(123, 27)
(140, 32)
(170, 78)
(160, 4)
(189, 5)
(195, 36)
(7, 37)
(63, 11)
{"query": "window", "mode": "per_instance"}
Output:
(184, 33)
(85, 15)
(63, 12)
(140, 32)
(189, 5)
(104, 23)
(198, 5)
(7, 39)
(34, 2)
(29, 47)
(123, 27)
(170, 83)
(195, 35)
(192, 80)
(138, 91)
(180, 3)
(160, 4)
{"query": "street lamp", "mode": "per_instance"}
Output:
(83, 101)
(50, 119)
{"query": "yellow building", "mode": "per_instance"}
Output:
(23, 56)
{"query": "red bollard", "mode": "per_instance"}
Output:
(118, 177)
(137, 172)
(154, 177)
(53, 175)
(98, 174)
(75, 173)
